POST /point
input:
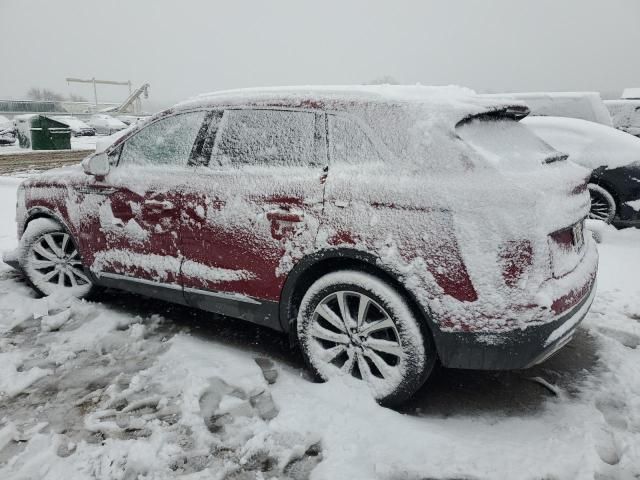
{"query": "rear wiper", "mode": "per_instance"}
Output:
(556, 158)
(515, 112)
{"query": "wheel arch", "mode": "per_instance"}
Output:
(609, 187)
(314, 266)
(44, 212)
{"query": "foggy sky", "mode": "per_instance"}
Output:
(184, 47)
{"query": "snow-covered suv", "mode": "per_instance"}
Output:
(382, 228)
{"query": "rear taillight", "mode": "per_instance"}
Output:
(579, 189)
(565, 246)
(570, 238)
(515, 257)
(563, 238)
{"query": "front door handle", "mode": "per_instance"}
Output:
(96, 189)
(160, 204)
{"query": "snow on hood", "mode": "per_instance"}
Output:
(588, 144)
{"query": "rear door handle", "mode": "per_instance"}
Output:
(285, 216)
(160, 204)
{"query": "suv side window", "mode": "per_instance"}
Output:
(348, 143)
(167, 141)
(266, 137)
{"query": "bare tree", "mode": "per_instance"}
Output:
(76, 98)
(383, 80)
(44, 94)
(34, 94)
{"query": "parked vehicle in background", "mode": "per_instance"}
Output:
(105, 124)
(7, 131)
(129, 119)
(582, 105)
(77, 126)
(625, 115)
(613, 158)
(383, 228)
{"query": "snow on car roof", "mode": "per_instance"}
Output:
(449, 103)
(5, 122)
(588, 143)
(631, 93)
(583, 105)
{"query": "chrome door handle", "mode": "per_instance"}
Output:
(285, 216)
(160, 204)
(96, 190)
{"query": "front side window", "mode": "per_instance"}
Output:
(166, 142)
(265, 137)
(348, 143)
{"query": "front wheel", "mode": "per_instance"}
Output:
(353, 324)
(50, 260)
(603, 206)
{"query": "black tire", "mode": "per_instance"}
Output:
(408, 351)
(66, 265)
(603, 205)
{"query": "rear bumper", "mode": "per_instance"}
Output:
(515, 349)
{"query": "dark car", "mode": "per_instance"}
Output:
(8, 134)
(612, 156)
(382, 228)
(77, 126)
(615, 195)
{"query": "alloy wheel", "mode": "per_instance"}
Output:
(599, 208)
(602, 206)
(358, 336)
(55, 259)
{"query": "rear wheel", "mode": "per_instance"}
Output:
(51, 261)
(354, 324)
(603, 205)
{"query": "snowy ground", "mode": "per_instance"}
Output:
(125, 388)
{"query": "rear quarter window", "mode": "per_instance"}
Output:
(348, 142)
(506, 143)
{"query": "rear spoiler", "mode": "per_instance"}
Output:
(516, 112)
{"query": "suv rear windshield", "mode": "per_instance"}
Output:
(506, 143)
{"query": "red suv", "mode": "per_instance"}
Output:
(382, 228)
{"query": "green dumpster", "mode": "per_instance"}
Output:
(40, 132)
(49, 134)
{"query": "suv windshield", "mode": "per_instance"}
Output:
(505, 142)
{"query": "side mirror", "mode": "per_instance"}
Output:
(96, 165)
